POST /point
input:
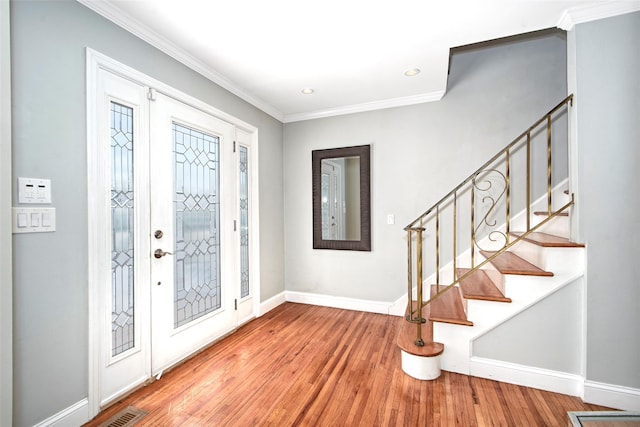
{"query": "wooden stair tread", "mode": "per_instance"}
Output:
(548, 240)
(448, 307)
(478, 285)
(407, 336)
(545, 213)
(510, 263)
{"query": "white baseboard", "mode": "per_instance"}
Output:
(339, 302)
(73, 416)
(528, 376)
(612, 396)
(271, 303)
(398, 307)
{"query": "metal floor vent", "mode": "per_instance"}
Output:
(125, 418)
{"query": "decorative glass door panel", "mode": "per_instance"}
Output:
(244, 221)
(246, 228)
(122, 230)
(197, 224)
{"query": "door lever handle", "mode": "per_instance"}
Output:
(159, 253)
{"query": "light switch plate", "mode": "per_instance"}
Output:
(34, 220)
(34, 190)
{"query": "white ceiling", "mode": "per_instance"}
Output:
(353, 53)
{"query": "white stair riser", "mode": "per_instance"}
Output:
(559, 226)
(556, 260)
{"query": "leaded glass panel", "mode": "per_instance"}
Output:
(197, 224)
(244, 222)
(122, 278)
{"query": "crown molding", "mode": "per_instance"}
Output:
(115, 15)
(579, 15)
(366, 106)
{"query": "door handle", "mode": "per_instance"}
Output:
(159, 253)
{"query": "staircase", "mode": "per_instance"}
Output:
(499, 272)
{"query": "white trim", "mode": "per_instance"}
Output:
(104, 62)
(529, 376)
(75, 415)
(612, 396)
(6, 250)
(399, 306)
(380, 307)
(93, 245)
(366, 106)
(581, 14)
(271, 303)
(420, 367)
(115, 15)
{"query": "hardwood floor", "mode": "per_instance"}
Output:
(302, 365)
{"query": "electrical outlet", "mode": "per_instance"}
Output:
(34, 191)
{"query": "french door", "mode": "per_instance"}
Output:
(169, 232)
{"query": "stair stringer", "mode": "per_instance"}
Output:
(524, 291)
(567, 264)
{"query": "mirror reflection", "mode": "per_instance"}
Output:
(340, 198)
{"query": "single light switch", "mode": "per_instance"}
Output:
(22, 220)
(391, 219)
(46, 219)
(35, 219)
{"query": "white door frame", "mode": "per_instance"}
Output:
(96, 61)
(6, 256)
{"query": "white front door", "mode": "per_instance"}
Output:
(170, 232)
(192, 239)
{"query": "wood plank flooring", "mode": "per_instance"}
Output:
(302, 365)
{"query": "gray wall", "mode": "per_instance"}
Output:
(419, 153)
(548, 335)
(608, 102)
(49, 130)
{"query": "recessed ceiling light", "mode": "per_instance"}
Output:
(307, 91)
(412, 72)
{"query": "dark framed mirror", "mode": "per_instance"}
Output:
(341, 188)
